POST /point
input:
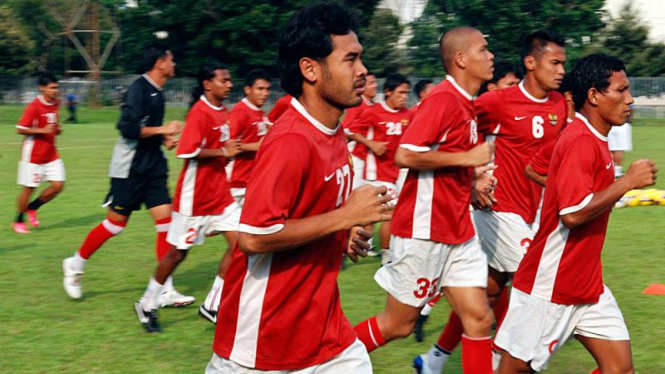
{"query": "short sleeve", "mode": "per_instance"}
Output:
(278, 177)
(237, 123)
(436, 115)
(133, 111)
(574, 179)
(191, 140)
(362, 122)
(27, 118)
(280, 107)
(350, 116)
(487, 106)
(540, 163)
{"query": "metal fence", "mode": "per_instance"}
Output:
(649, 92)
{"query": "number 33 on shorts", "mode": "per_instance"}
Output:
(426, 288)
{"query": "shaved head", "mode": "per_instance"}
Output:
(454, 41)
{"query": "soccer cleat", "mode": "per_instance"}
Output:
(148, 319)
(174, 298)
(72, 280)
(32, 218)
(431, 362)
(419, 366)
(20, 228)
(418, 330)
(372, 253)
(208, 314)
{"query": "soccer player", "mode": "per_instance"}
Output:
(383, 125)
(433, 244)
(620, 140)
(521, 119)
(421, 90)
(280, 310)
(39, 157)
(359, 151)
(138, 171)
(250, 125)
(72, 104)
(558, 290)
(203, 205)
(280, 107)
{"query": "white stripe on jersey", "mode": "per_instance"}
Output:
(370, 161)
(543, 284)
(28, 144)
(422, 211)
(250, 309)
(187, 190)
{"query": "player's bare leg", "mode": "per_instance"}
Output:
(612, 356)
(384, 237)
(512, 365)
(397, 320)
(47, 195)
(208, 309)
(19, 225)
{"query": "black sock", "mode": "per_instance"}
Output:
(19, 218)
(35, 204)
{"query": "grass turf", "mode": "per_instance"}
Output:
(46, 332)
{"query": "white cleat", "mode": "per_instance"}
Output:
(72, 280)
(174, 298)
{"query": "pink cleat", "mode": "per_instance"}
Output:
(32, 218)
(20, 228)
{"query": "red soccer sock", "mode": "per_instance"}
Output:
(476, 355)
(597, 371)
(369, 334)
(162, 247)
(99, 235)
(452, 333)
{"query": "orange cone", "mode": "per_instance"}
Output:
(655, 289)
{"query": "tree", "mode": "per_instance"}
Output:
(15, 45)
(379, 39)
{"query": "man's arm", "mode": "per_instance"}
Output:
(420, 159)
(538, 178)
(378, 148)
(49, 129)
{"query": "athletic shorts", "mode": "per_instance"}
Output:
(358, 172)
(239, 195)
(504, 237)
(392, 189)
(127, 194)
(185, 231)
(32, 175)
(534, 329)
(620, 138)
(353, 360)
(421, 268)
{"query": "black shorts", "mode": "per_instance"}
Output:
(126, 195)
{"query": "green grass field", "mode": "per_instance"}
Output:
(43, 331)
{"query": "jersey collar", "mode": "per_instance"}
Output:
(43, 101)
(591, 128)
(152, 82)
(250, 105)
(301, 109)
(203, 98)
(387, 108)
(529, 96)
(459, 88)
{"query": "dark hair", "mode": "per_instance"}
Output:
(151, 54)
(308, 34)
(534, 44)
(254, 76)
(46, 78)
(565, 85)
(393, 81)
(501, 69)
(592, 71)
(206, 73)
(420, 86)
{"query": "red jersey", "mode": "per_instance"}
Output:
(280, 107)
(414, 108)
(563, 265)
(541, 160)
(350, 117)
(281, 310)
(202, 188)
(250, 125)
(382, 124)
(39, 148)
(434, 204)
(520, 125)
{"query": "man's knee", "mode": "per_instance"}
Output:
(478, 322)
(57, 187)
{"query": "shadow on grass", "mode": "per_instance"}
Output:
(74, 222)
(18, 247)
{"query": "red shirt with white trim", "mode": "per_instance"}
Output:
(350, 117)
(540, 162)
(563, 265)
(202, 188)
(382, 124)
(281, 310)
(434, 204)
(520, 125)
(281, 105)
(249, 124)
(39, 148)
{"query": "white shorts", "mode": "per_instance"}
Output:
(504, 237)
(353, 360)
(185, 231)
(392, 189)
(239, 195)
(620, 138)
(358, 171)
(32, 175)
(421, 268)
(534, 329)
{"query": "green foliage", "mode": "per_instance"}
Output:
(15, 44)
(379, 40)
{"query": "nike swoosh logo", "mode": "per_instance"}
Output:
(608, 165)
(519, 118)
(329, 177)
(216, 128)
(153, 94)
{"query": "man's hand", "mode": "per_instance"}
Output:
(358, 243)
(232, 147)
(642, 173)
(482, 191)
(172, 128)
(480, 155)
(49, 129)
(378, 148)
(170, 142)
(368, 205)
